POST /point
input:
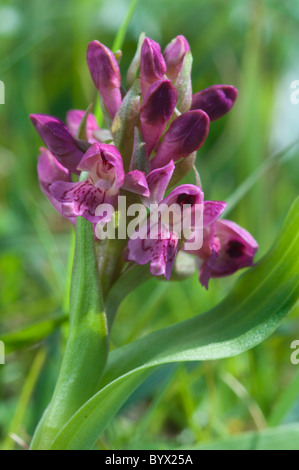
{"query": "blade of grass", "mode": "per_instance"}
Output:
(25, 398)
(242, 393)
(119, 39)
(285, 403)
(249, 182)
(24, 49)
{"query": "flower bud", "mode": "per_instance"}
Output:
(186, 134)
(216, 100)
(174, 55)
(156, 111)
(105, 73)
(58, 140)
(152, 64)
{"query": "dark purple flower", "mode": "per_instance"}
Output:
(227, 247)
(105, 177)
(186, 134)
(157, 109)
(58, 140)
(152, 64)
(216, 100)
(105, 73)
(174, 55)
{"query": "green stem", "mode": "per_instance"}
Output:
(110, 262)
(87, 346)
(132, 278)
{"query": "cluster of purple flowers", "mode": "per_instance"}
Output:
(155, 130)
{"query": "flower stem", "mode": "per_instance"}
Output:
(87, 346)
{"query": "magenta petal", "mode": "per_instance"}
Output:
(159, 252)
(79, 199)
(186, 134)
(232, 248)
(156, 111)
(228, 231)
(174, 54)
(190, 200)
(158, 180)
(163, 256)
(73, 120)
(152, 64)
(49, 170)
(212, 211)
(106, 160)
(135, 182)
(185, 194)
(58, 140)
(105, 73)
(216, 100)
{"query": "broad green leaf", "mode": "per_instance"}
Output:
(248, 315)
(280, 438)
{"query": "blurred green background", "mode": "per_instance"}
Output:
(253, 45)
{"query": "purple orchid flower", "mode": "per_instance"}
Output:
(157, 241)
(105, 73)
(165, 84)
(105, 176)
(216, 100)
(186, 134)
(227, 247)
(156, 110)
(152, 64)
(174, 55)
(58, 140)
